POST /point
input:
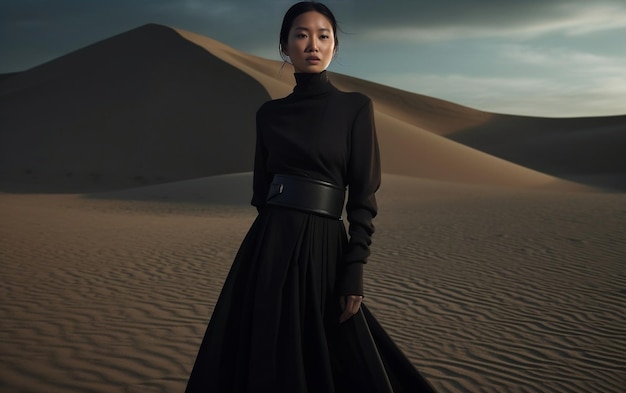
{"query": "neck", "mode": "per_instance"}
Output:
(312, 83)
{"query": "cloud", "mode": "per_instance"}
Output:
(531, 96)
(545, 81)
(565, 63)
(469, 68)
(519, 20)
(476, 87)
(33, 31)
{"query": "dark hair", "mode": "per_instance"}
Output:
(300, 8)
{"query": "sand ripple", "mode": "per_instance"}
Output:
(495, 291)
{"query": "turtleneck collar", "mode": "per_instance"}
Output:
(312, 83)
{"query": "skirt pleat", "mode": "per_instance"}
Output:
(275, 326)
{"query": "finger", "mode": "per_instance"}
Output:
(352, 305)
(345, 315)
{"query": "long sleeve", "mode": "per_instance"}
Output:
(261, 177)
(363, 181)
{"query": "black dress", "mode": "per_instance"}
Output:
(275, 327)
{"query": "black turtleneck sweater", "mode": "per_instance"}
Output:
(323, 133)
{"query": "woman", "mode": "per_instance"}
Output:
(289, 318)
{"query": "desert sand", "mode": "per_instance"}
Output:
(497, 264)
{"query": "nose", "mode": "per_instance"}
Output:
(313, 45)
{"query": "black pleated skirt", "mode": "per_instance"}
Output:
(275, 327)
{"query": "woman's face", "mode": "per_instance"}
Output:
(311, 43)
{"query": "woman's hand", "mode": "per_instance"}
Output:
(350, 305)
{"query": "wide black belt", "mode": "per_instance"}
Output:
(306, 194)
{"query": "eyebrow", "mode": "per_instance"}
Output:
(306, 29)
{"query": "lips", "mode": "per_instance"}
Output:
(313, 58)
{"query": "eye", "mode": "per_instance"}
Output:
(300, 35)
(324, 36)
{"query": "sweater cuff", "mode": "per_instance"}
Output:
(351, 281)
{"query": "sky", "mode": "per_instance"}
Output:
(555, 58)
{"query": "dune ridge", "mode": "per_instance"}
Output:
(568, 147)
(399, 114)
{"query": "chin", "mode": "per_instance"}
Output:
(310, 68)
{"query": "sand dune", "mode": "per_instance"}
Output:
(139, 108)
(216, 191)
(407, 124)
(155, 105)
(490, 271)
(572, 147)
(590, 150)
(486, 289)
